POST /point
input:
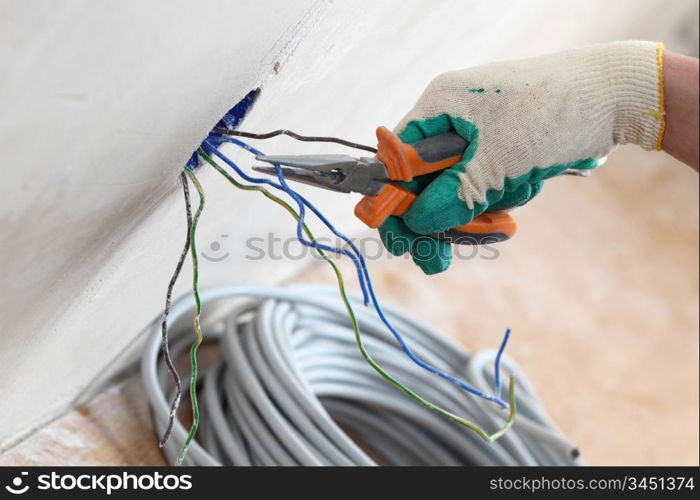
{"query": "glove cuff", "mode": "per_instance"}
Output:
(633, 89)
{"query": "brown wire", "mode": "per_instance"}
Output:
(164, 325)
(305, 138)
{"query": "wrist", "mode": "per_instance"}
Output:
(681, 101)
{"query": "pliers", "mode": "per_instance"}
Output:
(375, 178)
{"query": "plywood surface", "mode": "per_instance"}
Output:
(113, 429)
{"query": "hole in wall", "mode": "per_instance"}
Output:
(231, 120)
(235, 115)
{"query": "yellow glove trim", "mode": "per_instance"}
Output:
(660, 113)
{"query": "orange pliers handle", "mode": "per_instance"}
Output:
(406, 161)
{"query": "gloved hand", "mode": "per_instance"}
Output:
(525, 121)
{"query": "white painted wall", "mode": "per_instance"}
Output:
(102, 102)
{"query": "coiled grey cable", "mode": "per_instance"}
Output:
(289, 387)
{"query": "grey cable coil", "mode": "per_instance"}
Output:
(289, 373)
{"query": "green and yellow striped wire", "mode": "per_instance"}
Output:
(197, 312)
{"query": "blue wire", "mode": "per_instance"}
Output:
(497, 364)
(211, 149)
(358, 260)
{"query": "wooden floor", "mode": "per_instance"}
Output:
(600, 288)
(112, 429)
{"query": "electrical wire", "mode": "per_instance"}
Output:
(299, 137)
(211, 144)
(356, 330)
(497, 363)
(286, 388)
(166, 310)
(197, 312)
(353, 253)
(357, 257)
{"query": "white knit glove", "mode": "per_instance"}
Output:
(529, 120)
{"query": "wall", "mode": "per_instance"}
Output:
(103, 102)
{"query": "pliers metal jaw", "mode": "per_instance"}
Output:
(377, 177)
(340, 173)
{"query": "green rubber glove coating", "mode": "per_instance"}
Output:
(395, 236)
(519, 197)
(439, 207)
(430, 254)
